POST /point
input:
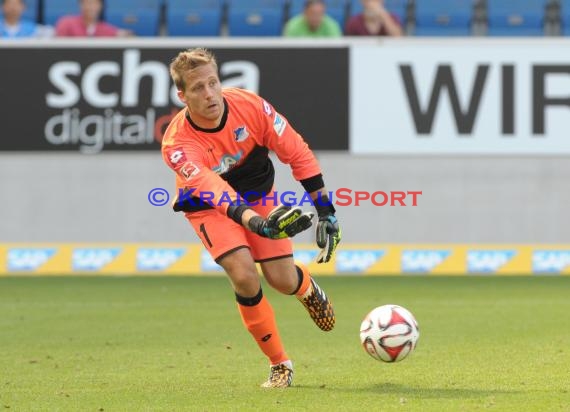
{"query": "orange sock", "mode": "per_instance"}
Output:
(258, 317)
(304, 279)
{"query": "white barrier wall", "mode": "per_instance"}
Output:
(73, 197)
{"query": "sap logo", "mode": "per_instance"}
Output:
(422, 260)
(28, 259)
(306, 257)
(93, 259)
(488, 261)
(158, 259)
(357, 260)
(207, 264)
(550, 261)
(227, 162)
(279, 124)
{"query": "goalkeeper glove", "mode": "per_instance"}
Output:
(328, 231)
(283, 221)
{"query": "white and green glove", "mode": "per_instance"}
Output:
(328, 230)
(328, 237)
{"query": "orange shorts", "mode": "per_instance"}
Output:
(221, 235)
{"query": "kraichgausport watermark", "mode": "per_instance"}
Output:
(158, 196)
(341, 197)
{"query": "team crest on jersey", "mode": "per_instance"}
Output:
(240, 134)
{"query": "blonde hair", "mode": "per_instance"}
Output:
(188, 60)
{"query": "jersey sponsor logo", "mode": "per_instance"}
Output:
(240, 134)
(357, 260)
(488, 261)
(227, 162)
(28, 259)
(279, 124)
(158, 259)
(189, 170)
(267, 108)
(422, 261)
(208, 264)
(93, 259)
(176, 157)
(550, 261)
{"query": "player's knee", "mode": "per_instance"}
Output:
(284, 279)
(283, 285)
(246, 282)
(242, 272)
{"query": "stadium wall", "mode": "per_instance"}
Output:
(492, 197)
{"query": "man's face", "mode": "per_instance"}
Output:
(314, 15)
(371, 4)
(91, 9)
(13, 9)
(203, 96)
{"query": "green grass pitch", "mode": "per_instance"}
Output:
(176, 344)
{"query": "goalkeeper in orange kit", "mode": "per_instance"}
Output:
(219, 145)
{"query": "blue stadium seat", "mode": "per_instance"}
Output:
(54, 9)
(516, 18)
(396, 7)
(256, 17)
(443, 17)
(194, 17)
(335, 9)
(140, 16)
(130, 5)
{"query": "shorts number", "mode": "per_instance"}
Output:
(205, 234)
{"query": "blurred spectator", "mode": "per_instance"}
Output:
(314, 22)
(88, 23)
(13, 26)
(374, 20)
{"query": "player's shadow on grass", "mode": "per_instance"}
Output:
(411, 392)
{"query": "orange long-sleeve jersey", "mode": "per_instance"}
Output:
(234, 157)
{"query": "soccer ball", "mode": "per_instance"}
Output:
(389, 333)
